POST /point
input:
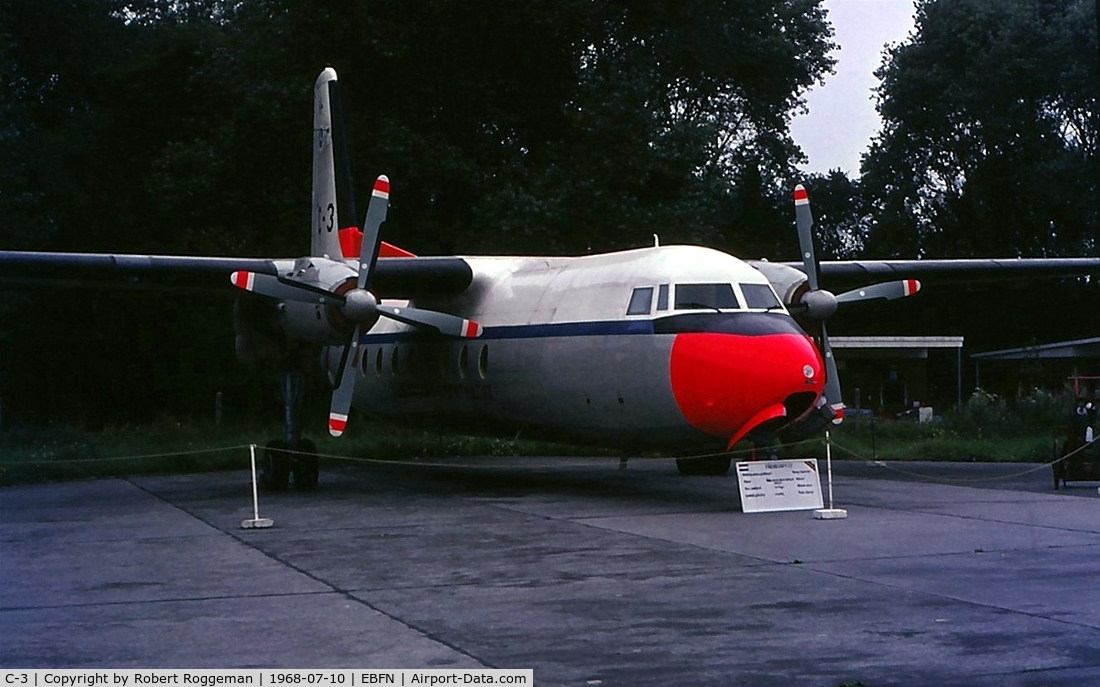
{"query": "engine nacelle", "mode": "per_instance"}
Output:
(793, 287)
(316, 322)
(311, 322)
(787, 281)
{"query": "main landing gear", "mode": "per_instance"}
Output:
(292, 456)
(707, 466)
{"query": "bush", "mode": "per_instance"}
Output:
(983, 412)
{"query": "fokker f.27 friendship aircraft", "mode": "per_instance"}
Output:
(676, 347)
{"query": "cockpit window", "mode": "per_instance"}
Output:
(662, 297)
(640, 301)
(759, 296)
(698, 296)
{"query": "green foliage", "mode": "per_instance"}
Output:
(987, 428)
(158, 126)
(1039, 408)
(842, 215)
(894, 440)
(1032, 409)
(170, 446)
(545, 126)
(983, 410)
(991, 128)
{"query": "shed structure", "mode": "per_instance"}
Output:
(1040, 365)
(889, 374)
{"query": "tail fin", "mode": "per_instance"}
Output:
(335, 232)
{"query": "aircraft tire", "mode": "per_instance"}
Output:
(711, 466)
(307, 467)
(276, 465)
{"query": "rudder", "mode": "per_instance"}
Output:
(334, 229)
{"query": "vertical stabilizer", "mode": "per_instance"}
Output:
(335, 233)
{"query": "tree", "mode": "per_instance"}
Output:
(991, 132)
(842, 215)
(168, 126)
(675, 107)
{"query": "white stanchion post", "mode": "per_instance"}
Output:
(256, 522)
(829, 513)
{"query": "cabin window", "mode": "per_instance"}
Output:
(703, 296)
(483, 362)
(640, 301)
(759, 296)
(662, 297)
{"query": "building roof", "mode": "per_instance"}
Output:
(1079, 348)
(896, 341)
(892, 347)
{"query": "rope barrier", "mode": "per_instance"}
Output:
(561, 463)
(381, 461)
(145, 456)
(977, 480)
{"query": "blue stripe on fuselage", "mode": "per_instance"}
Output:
(743, 323)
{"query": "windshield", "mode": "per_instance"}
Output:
(698, 296)
(759, 296)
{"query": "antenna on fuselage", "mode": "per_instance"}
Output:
(656, 241)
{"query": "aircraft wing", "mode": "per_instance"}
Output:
(955, 270)
(396, 278)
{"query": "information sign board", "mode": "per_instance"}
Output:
(777, 485)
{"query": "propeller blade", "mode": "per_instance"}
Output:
(804, 220)
(820, 303)
(890, 290)
(361, 305)
(448, 325)
(833, 395)
(372, 229)
(345, 387)
(283, 289)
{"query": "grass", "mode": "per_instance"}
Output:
(984, 430)
(29, 455)
(909, 441)
(1027, 428)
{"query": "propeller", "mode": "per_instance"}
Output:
(357, 305)
(804, 220)
(818, 304)
(364, 306)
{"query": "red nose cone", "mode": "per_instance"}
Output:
(728, 384)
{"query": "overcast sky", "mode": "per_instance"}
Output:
(842, 115)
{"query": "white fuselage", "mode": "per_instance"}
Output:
(624, 349)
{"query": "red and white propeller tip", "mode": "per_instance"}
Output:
(381, 188)
(471, 329)
(337, 423)
(243, 280)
